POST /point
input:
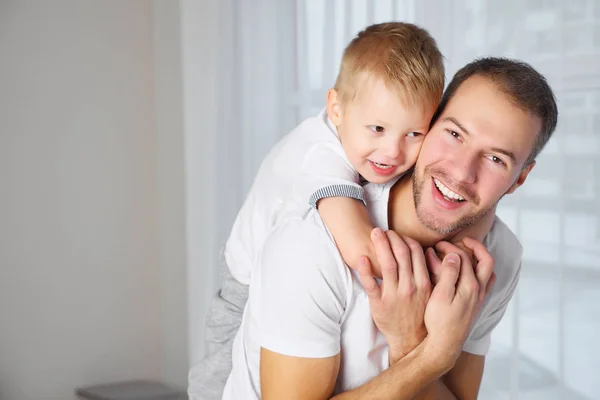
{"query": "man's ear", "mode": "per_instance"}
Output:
(522, 177)
(334, 107)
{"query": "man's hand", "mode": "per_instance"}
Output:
(456, 300)
(398, 304)
(470, 247)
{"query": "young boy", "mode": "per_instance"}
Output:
(389, 84)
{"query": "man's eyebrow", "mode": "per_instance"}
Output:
(455, 122)
(507, 153)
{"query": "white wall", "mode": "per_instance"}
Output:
(200, 39)
(171, 187)
(92, 274)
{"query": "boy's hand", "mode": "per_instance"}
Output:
(398, 304)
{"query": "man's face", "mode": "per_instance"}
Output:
(473, 155)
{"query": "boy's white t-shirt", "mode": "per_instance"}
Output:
(305, 302)
(307, 164)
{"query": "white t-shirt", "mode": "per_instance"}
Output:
(309, 163)
(305, 302)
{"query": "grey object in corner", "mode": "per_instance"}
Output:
(130, 390)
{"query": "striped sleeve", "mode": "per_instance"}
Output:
(350, 191)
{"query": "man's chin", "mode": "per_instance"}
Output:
(440, 224)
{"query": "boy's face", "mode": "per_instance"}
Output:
(473, 155)
(380, 135)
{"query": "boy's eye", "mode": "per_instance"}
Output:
(455, 134)
(377, 128)
(414, 134)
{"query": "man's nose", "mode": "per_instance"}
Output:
(465, 167)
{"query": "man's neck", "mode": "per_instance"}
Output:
(402, 214)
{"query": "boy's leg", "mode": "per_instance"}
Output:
(206, 379)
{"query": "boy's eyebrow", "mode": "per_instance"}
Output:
(507, 153)
(379, 122)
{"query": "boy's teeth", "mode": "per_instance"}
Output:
(447, 192)
(383, 166)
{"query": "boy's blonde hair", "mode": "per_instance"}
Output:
(403, 55)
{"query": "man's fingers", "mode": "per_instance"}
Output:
(461, 245)
(485, 262)
(434, 265)
(467, 279)
(368, 281)
(419, 266)
(402, 256)
(446, 286)
(489, 287)
(479, 250)
(389, 267)
(445, 248)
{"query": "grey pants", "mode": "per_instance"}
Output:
(206, 379)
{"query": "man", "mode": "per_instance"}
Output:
(495, 117)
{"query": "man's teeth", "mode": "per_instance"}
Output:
(447, 192)
(382, 166)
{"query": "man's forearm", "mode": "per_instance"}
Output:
(402, 381)
(437, 390)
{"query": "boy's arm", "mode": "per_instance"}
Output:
(329, 183)
(348, 221)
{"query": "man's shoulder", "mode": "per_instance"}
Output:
(303, 244)
(502, 237)
(505, 247)
(303, 284)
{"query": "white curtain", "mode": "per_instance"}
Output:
(280, 56)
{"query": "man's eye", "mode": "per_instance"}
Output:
(415, 134)
(377, 128)
(496, 160)
(455, 134)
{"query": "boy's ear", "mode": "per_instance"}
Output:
(334, 107)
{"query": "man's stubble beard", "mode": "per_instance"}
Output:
(433, 223)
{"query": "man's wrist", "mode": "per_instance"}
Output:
(423, 355)
(399, 351)
(437, 357)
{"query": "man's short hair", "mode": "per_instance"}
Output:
(403, 55)
(526, 88)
